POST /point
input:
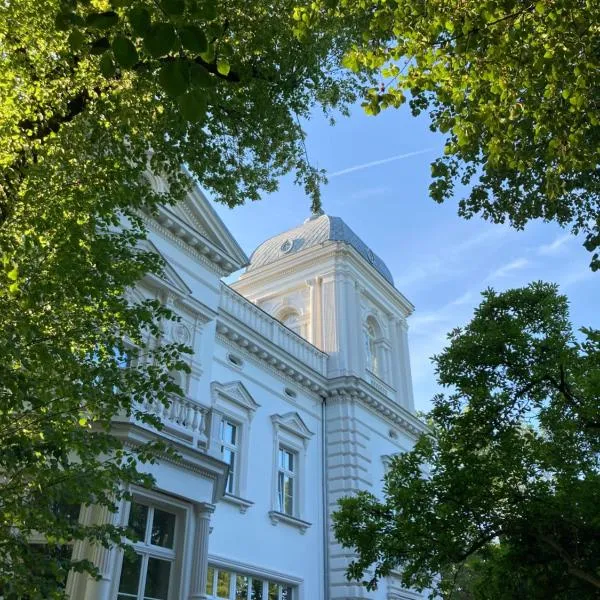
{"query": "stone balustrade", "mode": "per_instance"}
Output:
(242, 310)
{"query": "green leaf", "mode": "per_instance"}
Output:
(200, 77)
(160, 39)
(208, 9)
(174, 78)
(193, 39)
(102, 20)
(107, 66)
(173, 7)
(100, 46)
(209, 55)
(125, 52)
(76, 40)
(223, 67)
(140, 20)
(13, 274)
(193, 105)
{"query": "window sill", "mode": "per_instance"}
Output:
(241, 503)
(277, 517)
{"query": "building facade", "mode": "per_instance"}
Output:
(298, 394)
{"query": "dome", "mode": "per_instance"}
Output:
(316, 230)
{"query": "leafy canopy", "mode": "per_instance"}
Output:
(513, 85)
(93, 94)
(501, 496)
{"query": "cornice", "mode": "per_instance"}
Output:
(361, 391)
(277, 360)
(314, 257)
(193, 244)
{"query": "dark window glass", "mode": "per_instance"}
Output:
(273, 591)
(223, 578)
(241, 587)
(163, 528)
(138, 516)
(256, 592)
(157, 579)
(130, 576)
(286, 593)
(210, 580)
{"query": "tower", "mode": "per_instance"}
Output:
(323, 282)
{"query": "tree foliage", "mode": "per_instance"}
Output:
(93, 93)
(513, 85)
(501, 497)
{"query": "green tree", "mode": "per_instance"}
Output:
(500, 498)
(93, 93)
(513, 85)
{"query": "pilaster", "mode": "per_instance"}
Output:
(202, 516)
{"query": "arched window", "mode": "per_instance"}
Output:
(291, 319)
(372, 337)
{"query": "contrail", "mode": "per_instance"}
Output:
(377, 162)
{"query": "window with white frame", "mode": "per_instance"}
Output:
(372, 335)
(229, 435)
(223, 584)
(291, 319)
(147, 571)
(232, 411)
(286, 480)
(291, 437)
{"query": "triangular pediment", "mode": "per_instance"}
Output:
(234, 391)
(197, 224)
(169, 275)
(293, 423)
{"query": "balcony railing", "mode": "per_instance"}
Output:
(271, 329)
(182, 419)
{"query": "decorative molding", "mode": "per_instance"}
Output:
(278, 517)
(293, 423)
(241, 503)
(236, 392)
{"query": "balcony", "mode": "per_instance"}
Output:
(269, 328)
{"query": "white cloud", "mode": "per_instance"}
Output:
(515, 265)
(555, 246)
(376, 163)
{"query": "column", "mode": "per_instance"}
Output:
(202, 514)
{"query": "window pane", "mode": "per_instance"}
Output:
(157, 579)
(163, 528)
(223, 578)
(273, 591)
(130, 575)
(138, 515)
(228, 432)
(241, 587)
(256, 592)
(210, 580)
(287, 494)
(286, 592)
(280, 484)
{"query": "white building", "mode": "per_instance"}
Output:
(300, 382)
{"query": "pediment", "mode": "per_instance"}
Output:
(169, 275)
(196, 223)
(293, 423)
(236, 392)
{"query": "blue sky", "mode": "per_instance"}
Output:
(440, 261)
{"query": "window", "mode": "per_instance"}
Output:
(291, 437)
(371, 338)
(146, 572)
(286, 481)
(229, 452)
(291, 320)
(229, 436)
(222, 584)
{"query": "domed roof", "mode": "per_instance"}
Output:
(316, 230)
